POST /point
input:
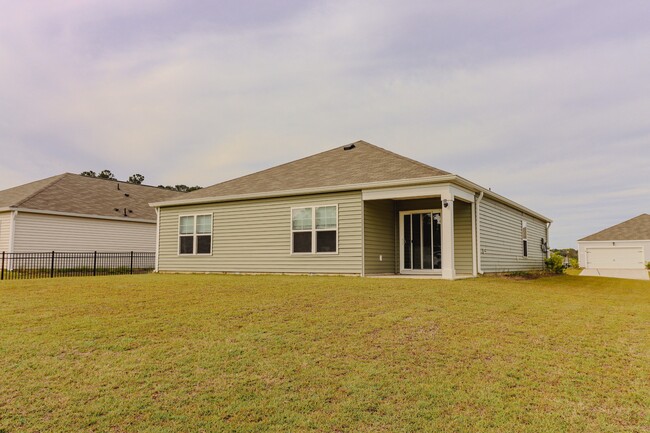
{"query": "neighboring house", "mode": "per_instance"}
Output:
(623, 246)
(73, 213)
(356, 209)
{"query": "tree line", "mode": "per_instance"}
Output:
(137, 179)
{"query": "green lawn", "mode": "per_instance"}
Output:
(200, 353)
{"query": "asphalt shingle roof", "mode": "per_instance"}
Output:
(73, 193)
(337, 167)
(635, 229)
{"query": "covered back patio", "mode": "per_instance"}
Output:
(426, 230)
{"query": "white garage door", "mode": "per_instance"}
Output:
(615, 258)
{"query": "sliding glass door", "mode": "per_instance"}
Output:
(420, 240)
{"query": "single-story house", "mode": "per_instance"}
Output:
(356, 209)
(622, 246)
(73, 213)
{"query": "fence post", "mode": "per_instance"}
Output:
(2, 272)
(52, 266)
(131, 262)
(95, 264)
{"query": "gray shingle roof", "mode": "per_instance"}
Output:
(635, 229)
(72, 193)
(337, 167)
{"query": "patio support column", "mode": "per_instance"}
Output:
(448, 266)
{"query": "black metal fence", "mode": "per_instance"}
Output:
(52, 264)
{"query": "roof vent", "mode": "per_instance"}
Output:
(349, 147)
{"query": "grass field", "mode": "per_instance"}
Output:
(200, 353)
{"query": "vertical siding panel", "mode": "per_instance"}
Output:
(41, 232)
(501, 244)
(379, 225)
(255, 236)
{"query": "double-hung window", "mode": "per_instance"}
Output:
(314, 229)
(195, 234)
(524, 238)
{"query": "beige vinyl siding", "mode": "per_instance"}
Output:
(41, 232)
(255, 236)
(501, 245)
(463, 257)
(5, 229)
(379, 228)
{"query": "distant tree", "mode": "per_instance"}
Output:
(570, 253)
(106, 174)
(136, 179)
(180, 188)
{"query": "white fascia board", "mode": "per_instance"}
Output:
(79, 215)
(425, 181)
(444, 190)
(305, 191)
(462, 193)
(417, 191)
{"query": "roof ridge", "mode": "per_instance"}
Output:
(406, 158)
(55, 179)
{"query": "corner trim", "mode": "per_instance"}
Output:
(12, 231)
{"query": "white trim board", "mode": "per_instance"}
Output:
(444, 191)
(432, 180)
(79, 215)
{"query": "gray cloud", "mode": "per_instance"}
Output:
(543, 102)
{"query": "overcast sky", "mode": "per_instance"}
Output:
(547, 103)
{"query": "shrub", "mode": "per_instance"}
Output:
(647, 266)
(555, 263)
(574, 263)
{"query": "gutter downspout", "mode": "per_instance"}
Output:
(478, 232)
(548, 248)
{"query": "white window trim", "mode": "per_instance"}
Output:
(314, 230)
(195, 235)
(401, 242)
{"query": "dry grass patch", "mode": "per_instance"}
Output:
(167, 353)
